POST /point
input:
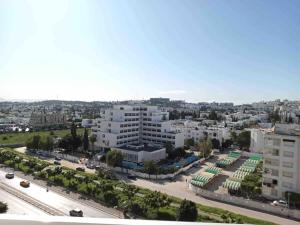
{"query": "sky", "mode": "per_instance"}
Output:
(193, 50)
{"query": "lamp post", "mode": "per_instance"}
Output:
(289, 193)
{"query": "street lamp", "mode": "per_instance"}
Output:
(289, 194)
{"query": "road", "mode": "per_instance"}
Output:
(52, 199)
(18, 206)
(179, 188)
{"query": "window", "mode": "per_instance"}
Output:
(276, 142)
(288, 142)
(274, 173)
(288, 164)
(288, 154)
(287, 174)
(287, 185)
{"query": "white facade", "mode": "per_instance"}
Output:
(141, 153)
(281, 161)
(257, 140)
(193, 130)
(135, 124)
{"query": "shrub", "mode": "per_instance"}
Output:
(187, 211)
(3, 207)
(110, 198)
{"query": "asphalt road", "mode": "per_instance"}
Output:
(53, 199)
(18, 206)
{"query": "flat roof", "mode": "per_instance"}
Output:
(139, 148)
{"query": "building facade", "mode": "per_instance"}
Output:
(281, 165)
(134, 125)
(47, 120)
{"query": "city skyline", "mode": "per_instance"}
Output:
(112, 50)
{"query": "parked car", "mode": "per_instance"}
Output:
(97, 167)
(279, 203)
(82, 169)
(132, 177)
(25, 183)
(57, 163)
(90, 166)
(10, 175)
(76, 213)
(58, 158)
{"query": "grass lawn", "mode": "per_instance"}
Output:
(21, 138)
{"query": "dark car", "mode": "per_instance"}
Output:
(57, 163)
(76, 213)
(58, 158)
(132, 177)
(10, 175)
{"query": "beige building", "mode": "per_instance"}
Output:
(43, 120)
(281, 165)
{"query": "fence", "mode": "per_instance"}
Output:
(153, 176)
(285, 212)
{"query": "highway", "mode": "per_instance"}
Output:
(55, 201)
(18, 206)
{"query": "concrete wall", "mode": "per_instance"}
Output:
(285, 212)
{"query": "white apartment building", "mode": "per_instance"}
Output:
(257, 143)
(281, 161)
(134, 125)
(194, 130)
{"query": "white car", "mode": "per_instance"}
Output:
(279, 203)
(76, 213)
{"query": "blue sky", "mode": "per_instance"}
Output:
(239, 51)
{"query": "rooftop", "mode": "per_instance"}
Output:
(141, 147)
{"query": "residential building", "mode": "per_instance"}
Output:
(142, 153)
(135, 125)
(47, 120)
(281, 165)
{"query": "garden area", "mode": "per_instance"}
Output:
(23, 137)
(107, 190)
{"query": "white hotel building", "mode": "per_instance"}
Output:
(281, 165)
(135, 125)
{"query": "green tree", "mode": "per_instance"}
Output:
(155, 200)
(73, 130)
(34, 143)
(274, 117)
(187, 211)
(205, 147)
(114, 158)
(190, 142)
(93, 139)
(130, 191)
(244, 139)
(169, 147)
(85, 140)
(49, 144)
(233, 136)
(215, 143)
(213, 115)
(150, 167)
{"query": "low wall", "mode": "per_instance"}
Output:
(63, 156)
(153, 176)
(11, 145)
(233, 200)
(249, 154)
